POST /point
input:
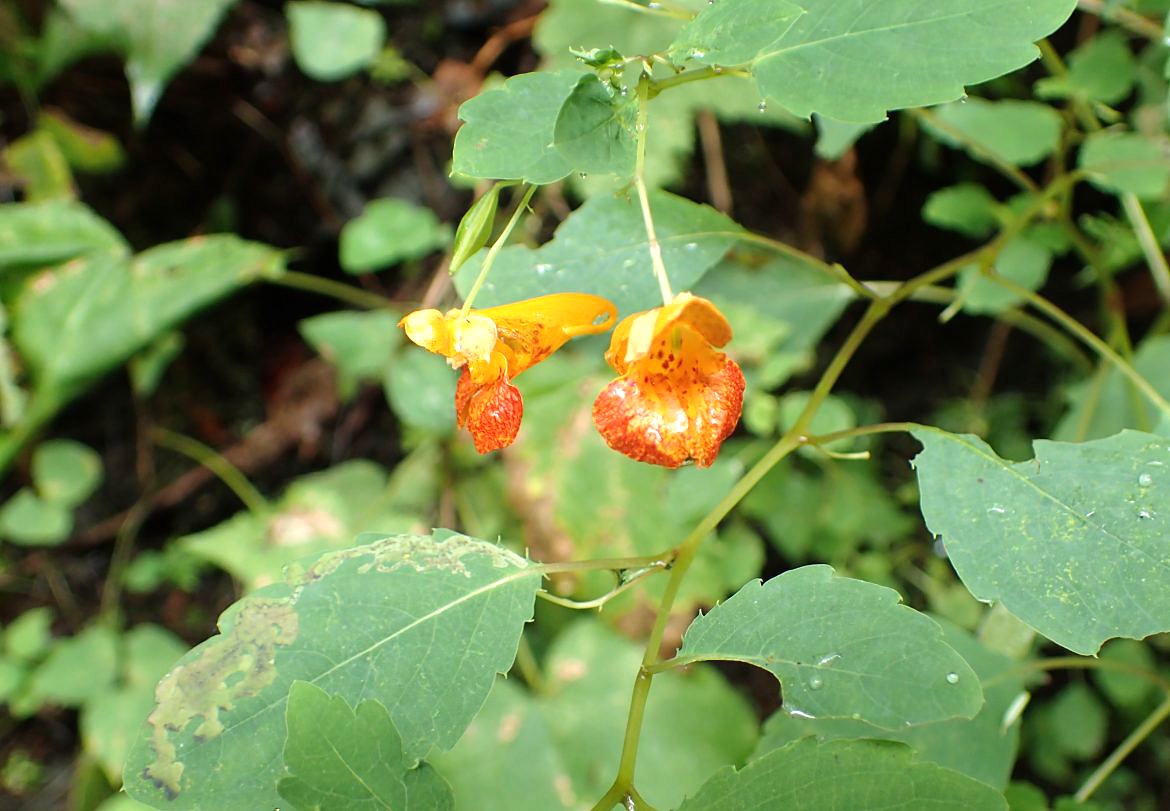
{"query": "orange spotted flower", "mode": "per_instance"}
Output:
(492, 346)
(678, 397)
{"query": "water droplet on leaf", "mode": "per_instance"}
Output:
(952, 678)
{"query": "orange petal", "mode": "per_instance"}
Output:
(637, 333)
(667, 419)
(491, 412)
(531, 330)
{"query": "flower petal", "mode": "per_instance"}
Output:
(532, 329)
(637, 334)
(491, 412)
(666, 419)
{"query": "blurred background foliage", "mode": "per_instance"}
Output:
(213, 214)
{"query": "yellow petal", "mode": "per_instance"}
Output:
(531, 330)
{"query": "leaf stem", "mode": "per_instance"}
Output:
(663, 559)
(698, 75)
(228, 473)
(599, 602)
(1086, 336)
(333, 289)
(663, 9)
(1123, 750)
(835, 271)
(1151, 249)
(495, 249)
(643, 196)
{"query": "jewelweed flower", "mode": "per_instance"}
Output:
(494, 345)
(678, 397)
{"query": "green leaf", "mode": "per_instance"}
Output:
(841, 648)
(823, 61)
(1019, 133)
(29, 635)
(1021, 260)
(1123, 689)
(318, 512)
(333, 40)
(511, 728)
(1126, 162)
(475, 229)
(41, 168)
(967, 208)
(507, 132)
(594, 129)
(74, 323)
(1072, 726)
(390, 231)
(426, 625)
(420, 388)
(1107, 402)
(347, 759)
(84, 148)
(77, 669)
(360, 345)
(65, 472)
(572, 24)
(874, 775)
(983, 747)
(47, 233)
(834, 137)
(1103, 69)
(601, 248)
(29, 520)
(1074, 542)
(157, 38)
(736, 32)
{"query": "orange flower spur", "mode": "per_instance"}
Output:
(492, 346)
(678, 397)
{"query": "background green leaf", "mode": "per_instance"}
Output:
(1072, 542)
(841, 648)
(65, 471)
(875, 775)
(1126, 162)
(332, 40)
(426, 625)
(37, 234)
(390, 231)
(1019, 133)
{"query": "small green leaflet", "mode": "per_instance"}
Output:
(390, 231)
(346, 759)
(1121, 162)
(838, 775)
(841, 648)
(33, 234)
(1019, 133)
(1073, 542)
(333, 40)
(601, 248)
(420, 624)
(1022, 260)
(824, 60)
(1107, 402)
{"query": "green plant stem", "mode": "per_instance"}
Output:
(663, 559)
(833, 270)
(1086, 336)
(528, 666)
(120, 558)
(1123, 750)
(643, 196)
(658, 85)
(599, 602)
(1013, 173)
(340, 291)
(228, 473)
(1085, 663)
(1151, 249)
(622, 787)
(495, 249)
(663, 9)
(1123, 17)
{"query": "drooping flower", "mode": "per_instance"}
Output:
(494, 345)
(677, 397)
